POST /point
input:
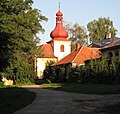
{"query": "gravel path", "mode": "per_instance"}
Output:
(57, 102)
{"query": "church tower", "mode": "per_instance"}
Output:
(56, 49)
(61, 45)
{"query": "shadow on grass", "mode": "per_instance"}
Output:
(14, 98)
(99, 89)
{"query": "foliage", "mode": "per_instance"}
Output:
(54, 74)
(49, 72)
(74, 75)
(77, 33)
(100, 71)
(99, 28)
(1, 84)
(19, 23)
(95, 71)
(25, 81)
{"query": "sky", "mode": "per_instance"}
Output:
(77, 11)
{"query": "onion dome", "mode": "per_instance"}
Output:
(59, 32)
(59, 13)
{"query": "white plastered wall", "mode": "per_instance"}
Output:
(41, 65)
(67, 48)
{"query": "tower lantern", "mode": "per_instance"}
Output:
(59, 32)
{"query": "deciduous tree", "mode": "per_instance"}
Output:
(99, 28)
(19, 23)
(77, 33)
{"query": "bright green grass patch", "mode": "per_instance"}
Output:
(13, 99)
(85, 88)
(52, 85)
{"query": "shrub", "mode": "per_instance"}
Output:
(100, 71)
(1, 84)
(97, 71)
(54, 74)
(74, 75)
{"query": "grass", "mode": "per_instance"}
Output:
(84, 88)
(99, 89)
(14, 98)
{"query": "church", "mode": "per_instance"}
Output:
(55, 49)
(58, 50)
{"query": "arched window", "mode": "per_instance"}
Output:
(62, 48)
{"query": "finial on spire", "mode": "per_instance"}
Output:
(59, 6)
(59, 13)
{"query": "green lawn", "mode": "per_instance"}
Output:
(14, 98)
(85, 88)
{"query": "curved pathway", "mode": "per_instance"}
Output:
(57, 102)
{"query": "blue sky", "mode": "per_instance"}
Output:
(77, 11)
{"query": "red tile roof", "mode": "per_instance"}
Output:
(46, 51)
(80, 55)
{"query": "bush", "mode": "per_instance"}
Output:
(1, 84)
(18, 70)
(54, 74)
(74, 75)
(25, 81)
(96, 71)
(100, 71)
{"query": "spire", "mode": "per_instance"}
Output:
(59, 13)
(59, 6)
(59, 32)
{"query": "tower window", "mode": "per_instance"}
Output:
(62, 48)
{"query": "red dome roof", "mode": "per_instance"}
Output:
(59, 32)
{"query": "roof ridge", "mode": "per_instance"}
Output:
(77, 53)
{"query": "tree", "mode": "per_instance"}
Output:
(19, 23)
(99, 28)
(77, 33)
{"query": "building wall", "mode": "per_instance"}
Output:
(113, 52)
(57, 50)
(41, 65)
(77, 64)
